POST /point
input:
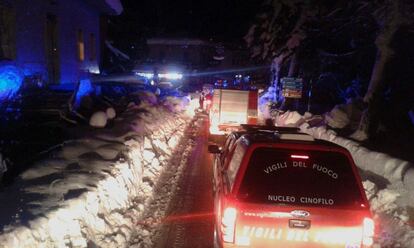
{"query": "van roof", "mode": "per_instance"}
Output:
(283, 136)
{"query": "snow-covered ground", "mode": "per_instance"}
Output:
(89, 192)
(388, 182)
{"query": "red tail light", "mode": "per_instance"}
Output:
(228, 224)
(368, 230)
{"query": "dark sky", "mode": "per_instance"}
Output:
(223, 20)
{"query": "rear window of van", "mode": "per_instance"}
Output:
(295, 177)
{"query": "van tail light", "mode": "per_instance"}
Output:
(368, 230)
(228, 224)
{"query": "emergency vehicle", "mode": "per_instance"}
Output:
(281, 188)
(230, 108)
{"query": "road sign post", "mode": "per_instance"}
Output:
(292, 87)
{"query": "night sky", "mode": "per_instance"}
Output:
(220, 20)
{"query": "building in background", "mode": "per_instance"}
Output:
(202, 61)
(189, 53)
(58, 41)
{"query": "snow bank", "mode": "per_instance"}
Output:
(98, 119)
(83, 195)
(388, 182)
(381, 164)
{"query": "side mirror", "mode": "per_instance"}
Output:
(214, 149)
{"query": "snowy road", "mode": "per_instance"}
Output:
(189, 221)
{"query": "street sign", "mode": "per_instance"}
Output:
(292, 87)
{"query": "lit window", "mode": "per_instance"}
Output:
(81, 46)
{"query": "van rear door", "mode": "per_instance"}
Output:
(299, 198)
(230, 108)
(233, 107)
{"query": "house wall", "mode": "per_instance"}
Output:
(31, 36)
(78, 16)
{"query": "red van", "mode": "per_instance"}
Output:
(285, 189)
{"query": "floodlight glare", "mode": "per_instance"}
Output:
(171, 75)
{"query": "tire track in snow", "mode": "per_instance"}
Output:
(154, 208)
(190, 211)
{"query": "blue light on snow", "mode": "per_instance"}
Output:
(85, 88)
(10, 81)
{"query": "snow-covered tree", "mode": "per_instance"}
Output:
(278, 32)
(355, 41)
(391, 16)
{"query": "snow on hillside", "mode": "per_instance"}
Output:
(388, 182)
(86, 193)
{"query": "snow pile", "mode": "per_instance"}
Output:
(110, 113)
(84, 194)
(337, 118)
(388, 182)
(346, 115)
(98, 119)
(177, 104)
(148, 97)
